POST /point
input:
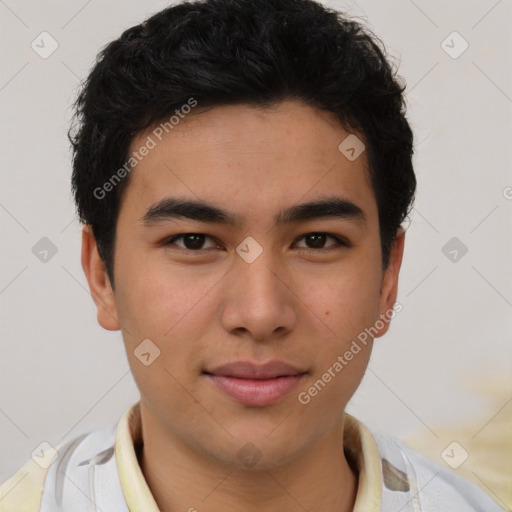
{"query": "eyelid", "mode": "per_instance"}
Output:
(170, 240)
(341, 241)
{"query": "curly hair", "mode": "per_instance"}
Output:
(257, 52)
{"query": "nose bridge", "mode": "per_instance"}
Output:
(256, 272)
(257, 299)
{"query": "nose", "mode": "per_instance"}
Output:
(258, 301)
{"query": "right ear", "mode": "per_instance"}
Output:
(99, 282)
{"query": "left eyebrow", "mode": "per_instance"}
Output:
(202, 211)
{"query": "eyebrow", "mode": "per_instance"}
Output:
(331, 207)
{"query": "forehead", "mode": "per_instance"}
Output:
(250, 159)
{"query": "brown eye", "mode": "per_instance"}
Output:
(317, 240)
(195, 242)
(191, 241)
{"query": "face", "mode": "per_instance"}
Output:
(277, 294)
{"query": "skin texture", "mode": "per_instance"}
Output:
(296, 303)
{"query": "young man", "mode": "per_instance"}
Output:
(242, 168)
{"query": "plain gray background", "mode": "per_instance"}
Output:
(61, 374)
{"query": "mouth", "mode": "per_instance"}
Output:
(255, 384)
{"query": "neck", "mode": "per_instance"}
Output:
(181, 479)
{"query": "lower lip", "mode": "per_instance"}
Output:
(256, 392)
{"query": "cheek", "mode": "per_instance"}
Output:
(152, 306)
(347, 308)
(155, 302)
(345, 302)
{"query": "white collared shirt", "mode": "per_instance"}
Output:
(100, 469)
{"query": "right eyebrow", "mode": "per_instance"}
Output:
(202, 211)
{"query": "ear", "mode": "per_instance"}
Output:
(389, 287)
(99, 283)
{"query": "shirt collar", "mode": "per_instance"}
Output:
(135, 488)
(358, 443)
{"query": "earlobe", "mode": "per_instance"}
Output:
(389, 288)
(99, 283)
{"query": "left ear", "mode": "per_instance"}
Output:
(389, 287)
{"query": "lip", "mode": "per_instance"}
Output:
(252, 370)
(256, 384)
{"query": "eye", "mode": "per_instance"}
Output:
(317, 240)
(191, 241)
(314, 241)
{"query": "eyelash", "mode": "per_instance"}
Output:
(341, 242)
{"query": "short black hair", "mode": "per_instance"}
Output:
(221, 52)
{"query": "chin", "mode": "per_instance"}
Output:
(256, 452)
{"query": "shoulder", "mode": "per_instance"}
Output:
(57, 477)
(430, 486)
